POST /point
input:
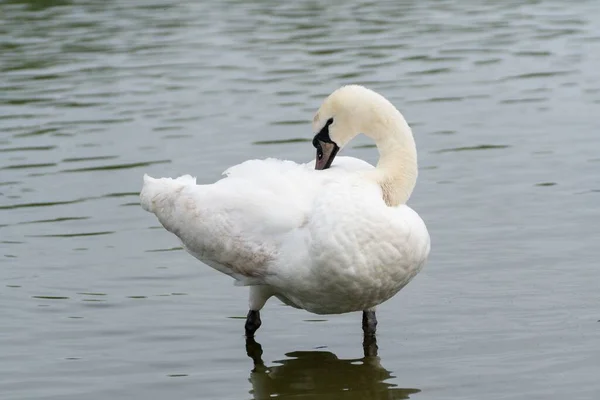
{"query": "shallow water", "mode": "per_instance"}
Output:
(98, 301)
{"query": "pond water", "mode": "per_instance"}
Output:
(98, 301)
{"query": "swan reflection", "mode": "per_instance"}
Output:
(321, 375)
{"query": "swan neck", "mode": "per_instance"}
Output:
(397, 167)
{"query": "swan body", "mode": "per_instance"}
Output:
(329, 241)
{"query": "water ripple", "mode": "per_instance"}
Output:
(116, 166)
(41, 204)
(281, 141)
(72, 235)
(29, 148)
(502, 99)
(471, 148)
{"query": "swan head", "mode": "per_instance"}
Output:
(347, 112)
(354, 109)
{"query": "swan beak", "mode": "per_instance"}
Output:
(326, 152)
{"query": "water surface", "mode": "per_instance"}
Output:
(99, 301)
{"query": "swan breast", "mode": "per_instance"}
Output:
(360, 252)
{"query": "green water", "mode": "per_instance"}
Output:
(98, 301)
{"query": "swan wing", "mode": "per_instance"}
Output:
(238, 224)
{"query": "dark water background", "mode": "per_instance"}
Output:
(97, 301)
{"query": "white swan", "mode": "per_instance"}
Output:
(327, 240)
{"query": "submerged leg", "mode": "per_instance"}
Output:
(369, 322)
(258, 297)
(253, 322)
(370, 346)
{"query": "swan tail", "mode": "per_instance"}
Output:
(160, 194)
(200, 216)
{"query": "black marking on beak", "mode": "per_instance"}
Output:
(326, 148)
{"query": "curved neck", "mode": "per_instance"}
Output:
(397, 169)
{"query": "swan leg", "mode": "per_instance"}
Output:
(369, 322)
(258, 297)
(253, 322)
(370, 346)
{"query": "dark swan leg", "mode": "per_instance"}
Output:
(253, 322)
(369, 322)
(370, 346)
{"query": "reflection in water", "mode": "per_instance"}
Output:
(320, 374)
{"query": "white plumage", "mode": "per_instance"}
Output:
(327, 241)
